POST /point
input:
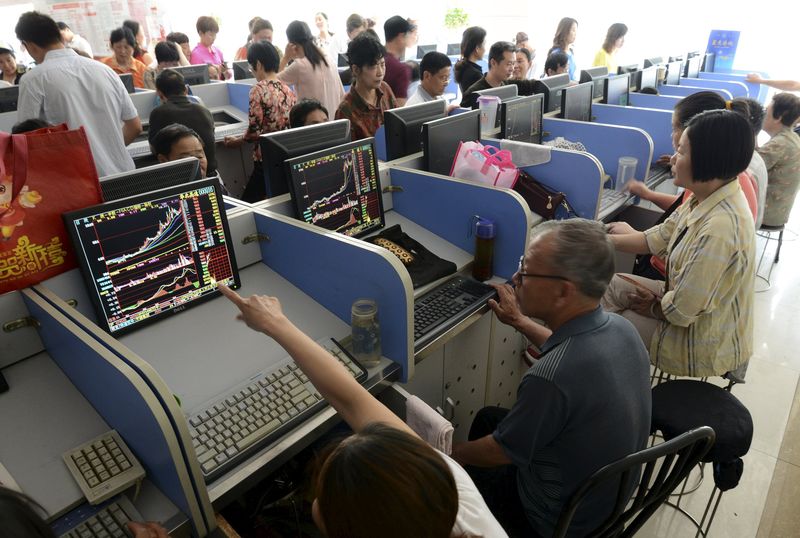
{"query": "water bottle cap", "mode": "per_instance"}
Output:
(489, 99)
(484, 228)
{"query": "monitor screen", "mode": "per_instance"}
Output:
(692, 69)
(655, 60)
(153, 255)
(708, 62)
(692, 54)
(454, 49)
(678, 58)
(673, 73)
(551, 88)
(576, 102)
(422, 50)
(150, 178)
(648, 78)
(403, 127)
(617, 90)
(8, 99)
(241, 70)
(521, 119)
(630, 68)
(595, 75)
(127, 81)
(279, 146)
(342, 60)
(440, 139)
(194, 74)
(339, 188)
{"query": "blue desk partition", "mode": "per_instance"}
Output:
(446, 207)
(239, 96)
(736, 89)
(380, 144)
(658, 102)
(606, 142)
(683, 91)
(757, 91)
(656, 123)
(121, 397)
(578, 175)
(336, 270)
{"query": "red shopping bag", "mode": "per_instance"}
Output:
(43, 173)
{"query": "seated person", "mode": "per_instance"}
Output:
(177, 108)
(10, 70)
(523, 65)
(176, 141)
(556, 64)
(699, 322)
(182, 40)
(168, 54)
(782, 157)
(501, 67)
(307, 112)
(369, 484)
(369, 96)
(435, 76)
(73, 40)
(583, 405)
(122, 60)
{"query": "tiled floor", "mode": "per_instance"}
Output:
(767, 501)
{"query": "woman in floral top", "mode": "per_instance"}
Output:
(270, 103)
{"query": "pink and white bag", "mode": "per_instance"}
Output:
(484, 164)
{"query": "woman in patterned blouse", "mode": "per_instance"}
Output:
(270, 103)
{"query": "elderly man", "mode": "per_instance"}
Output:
(584, 404)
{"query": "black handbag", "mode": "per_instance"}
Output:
(541, 199)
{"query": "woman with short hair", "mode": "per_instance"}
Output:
(123, 45)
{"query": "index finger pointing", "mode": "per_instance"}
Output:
(230, 294)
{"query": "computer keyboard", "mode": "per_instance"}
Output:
(446, 305)
(106, 522)
(255, 413)
(658, 174)
(610, 200)
(139, 149)
(233, 129)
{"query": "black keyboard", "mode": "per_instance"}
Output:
(447, 305)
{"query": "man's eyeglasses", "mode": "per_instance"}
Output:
(520, 274)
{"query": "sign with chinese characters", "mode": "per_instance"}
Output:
(723, 44)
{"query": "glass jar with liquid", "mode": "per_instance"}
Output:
(366, 332)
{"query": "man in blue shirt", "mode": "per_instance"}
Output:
(584, 404)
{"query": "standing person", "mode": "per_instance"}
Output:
(306, 67)
(205, 52)
(782, 157)
(398, 75)
(271, 101)
(785, 85)
(73, 40)
(434, 78)
(369, 96)
(260, 30)
(354, 25)
(122, 60)
(67, 88)
(473, 47)
(615, 38)
(563, 41)
(556, 64)
(10, 70)
(324, 37)
(140, 49)
(524, 47)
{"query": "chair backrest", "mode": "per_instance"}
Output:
(676, 457)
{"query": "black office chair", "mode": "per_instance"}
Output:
(766, 232)
(672, 461)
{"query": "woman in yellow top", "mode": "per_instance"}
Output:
(615, 37)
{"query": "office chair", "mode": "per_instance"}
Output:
(670, 462)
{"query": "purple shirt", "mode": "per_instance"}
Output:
(398, 76)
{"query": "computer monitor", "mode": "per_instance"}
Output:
(654, 61)
(454, 49)
(403, 127)
(521, 119)
(241, 70)
(708, 62)
(678, 58)
(194, 74)
(647, 78)
(629, 68)
(9, 98)
(281, 145)
(149, 178)
(339, 188)
(692, 67)
(422, 50)
(596, 75)
(440, 139)
(153, 255)
(551, 87)
(342, 60)
(576, 102)
(616, 90)
(504, 92)
(674, 70)
(127, 81)
(693, 54)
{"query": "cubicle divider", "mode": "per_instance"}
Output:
(607, 142)
(657, 102)
(736, 89)
(656, 123)
(126, 403)
(239, 95)
(683, 91)
(380, 144)
(756, 91)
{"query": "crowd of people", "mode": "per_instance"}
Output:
(586, 401)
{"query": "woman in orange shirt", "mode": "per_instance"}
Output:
(122, 61)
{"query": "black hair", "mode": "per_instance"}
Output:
(471, 39)
(63, 25)
(206, 24)
(167, 51)
(498, 51)
(694, 104)
(260, 24)
(364, 51)
(29, 125)
(786, 107)
(134, 27)
(37, 28)
(169, 135)
(395, 26)
(264, 52)
(299, 33)
(755, 113)
(122, 34)
(354, 21)
(433, 62)
(178, 37)
(170, 83)
(526, 52)
(413, 66)
(304, 107)
(555, 61)
(649, 90)
(21, 517)
(615, 31)
(721, 145)
(373, 34)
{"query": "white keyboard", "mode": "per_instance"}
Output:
(610, 200)
(234, 129)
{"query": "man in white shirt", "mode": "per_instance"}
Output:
(67, 88)
(73, 40)
(434, 77)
